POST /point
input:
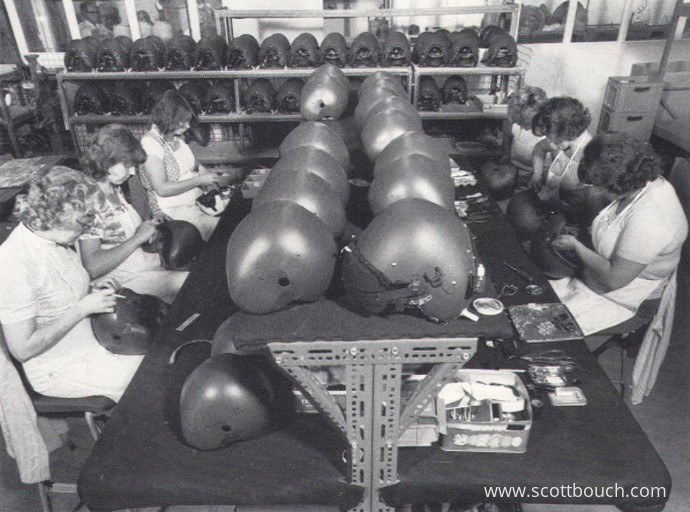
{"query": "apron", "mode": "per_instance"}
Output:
(561, 169)
(593, 311)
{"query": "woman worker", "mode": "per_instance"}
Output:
(169, 173)
(637, 239)
(563, 121)
(50, 298)
(112, 247)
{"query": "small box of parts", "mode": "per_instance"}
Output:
(485, 411)
(490, 103)
(253, 182)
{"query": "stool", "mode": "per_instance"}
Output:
(628, 335)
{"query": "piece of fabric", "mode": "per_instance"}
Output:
(18, 421)
(522, 147)
(562, 174)
(655, 344)
(141, 271)
(179, 165)
(613, 233)
(44, 280)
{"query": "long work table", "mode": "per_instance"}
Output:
(349, 458)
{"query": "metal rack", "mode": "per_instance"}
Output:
(374, 416)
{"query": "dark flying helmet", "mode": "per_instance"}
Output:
(278, 254)
(230, 398)
(131, 327)
(413, 255)
(178, 242)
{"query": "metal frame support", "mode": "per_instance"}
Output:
(374, 416)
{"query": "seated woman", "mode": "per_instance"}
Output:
(637, 239)
(45, 318)
(112, 247)
(169, 173)
(564, 122)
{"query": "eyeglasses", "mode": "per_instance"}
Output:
(85, 225)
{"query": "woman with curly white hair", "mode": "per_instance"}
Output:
(49, 295)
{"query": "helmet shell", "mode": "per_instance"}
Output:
(413, 143)
(499, 179)
(553, 262)
(325, 94)
(320, 163)
(317, 135)
(526, 213)
(384, 127)
(130, 328)
(230, 398)
(278, 254)
(308, 190)
(414, 254)
(178, 242)
(415, 176)
(374, 102)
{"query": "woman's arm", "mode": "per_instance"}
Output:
(99, 261)
(600, 274)
(26, 341)
(539, 153)
(155, 169)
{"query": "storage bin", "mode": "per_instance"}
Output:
(637, 124)
(633, 94)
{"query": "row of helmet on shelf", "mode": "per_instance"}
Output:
(182, 53)
(415, 255)
(204, 97)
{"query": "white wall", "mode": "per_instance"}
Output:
(581, 70)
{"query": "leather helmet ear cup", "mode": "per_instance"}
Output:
(230, 398)
(131, 327)
(278, 254)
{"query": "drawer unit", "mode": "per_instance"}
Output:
(633, 94)
(637, 124)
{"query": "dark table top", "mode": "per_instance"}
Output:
(140, 459)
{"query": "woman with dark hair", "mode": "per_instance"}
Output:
(170, 173)
(49, 297)
(112, 247)
(637, 239)
(563, 121)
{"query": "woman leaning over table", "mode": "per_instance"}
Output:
(112, 247)
(169, 173)
(48, 296)
(637, 239)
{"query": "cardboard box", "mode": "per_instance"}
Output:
(486, 419)
(489, 103)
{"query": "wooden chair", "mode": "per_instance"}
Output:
(93, 409)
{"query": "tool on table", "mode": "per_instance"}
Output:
(555, 356)
(521, 273)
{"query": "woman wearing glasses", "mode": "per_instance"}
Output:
(49, 296)
(112, 247)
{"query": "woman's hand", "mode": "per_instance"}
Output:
(146, 231)
(98, 301)
(535, 183)
(206, 177)
(106, 283)
(565, 242)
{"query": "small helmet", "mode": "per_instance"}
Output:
(317, 135)
(526, 213)
(178, 242)
(413, 143)
(553, 262)
(278, 254)
(320, 163)
(230, 398)
(500, 180)
(414, 254)
(309, 191)
(415, 176)
(383, 128)
(130, 328)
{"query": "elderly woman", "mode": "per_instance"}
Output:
(169, 174)
(637, 239)
(49, 297)
(112, 247)
(564, 122)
